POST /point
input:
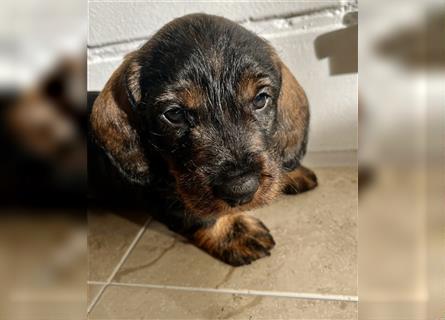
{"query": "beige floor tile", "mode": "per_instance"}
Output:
(163, 257)
(92, 291)
(316, 246)
(141, 303)
(316, 236)
(109, 236)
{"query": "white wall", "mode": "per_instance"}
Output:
(116, 28)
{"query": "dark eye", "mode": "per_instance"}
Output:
(175, 116)
(260, 101)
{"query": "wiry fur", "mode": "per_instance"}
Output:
(212, 68)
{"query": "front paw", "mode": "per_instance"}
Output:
(248, 240)
(300, 180)
(237, 240)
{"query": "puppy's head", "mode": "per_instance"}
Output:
(207, 96)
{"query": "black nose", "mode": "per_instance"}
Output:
(237, 190)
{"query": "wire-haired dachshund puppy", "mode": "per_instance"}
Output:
(207, 113)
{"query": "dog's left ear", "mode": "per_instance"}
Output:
(113, 122)
(293, 119)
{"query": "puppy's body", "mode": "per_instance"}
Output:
(206, 112)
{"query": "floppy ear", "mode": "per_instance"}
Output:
(293, 119)
(112, 122)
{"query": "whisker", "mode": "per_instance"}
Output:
(156, 134)
(154, 146)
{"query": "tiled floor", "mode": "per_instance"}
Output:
(141, 270)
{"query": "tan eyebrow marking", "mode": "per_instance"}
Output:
(189, 96)
(192, 96)
(249, 85)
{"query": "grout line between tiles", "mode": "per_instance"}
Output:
(119, 265)
(276, 294)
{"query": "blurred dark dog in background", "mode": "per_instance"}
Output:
(207, 116)
(43, 136)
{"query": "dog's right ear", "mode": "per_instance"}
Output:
(112, 121)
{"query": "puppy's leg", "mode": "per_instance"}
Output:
(235, 238)
(299, 180)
